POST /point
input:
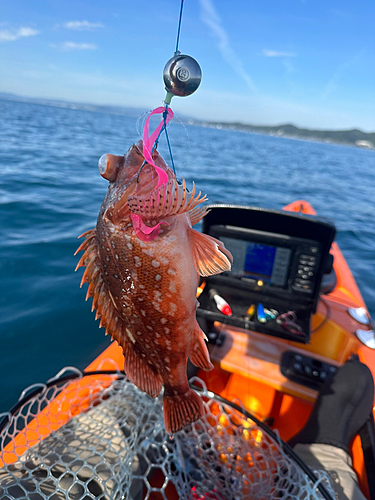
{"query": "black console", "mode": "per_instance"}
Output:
(279, 260)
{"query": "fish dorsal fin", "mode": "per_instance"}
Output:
(210, 255)
(169, 200)
(98, 290)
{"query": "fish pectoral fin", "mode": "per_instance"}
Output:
(181, 410)
(139, 371)
(210, 255)
(197, 214)
(199, 354)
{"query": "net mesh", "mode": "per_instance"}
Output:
(101, 438)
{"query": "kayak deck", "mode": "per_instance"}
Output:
(248, 366)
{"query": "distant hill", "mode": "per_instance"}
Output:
(352, 137)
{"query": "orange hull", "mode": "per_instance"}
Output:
(250, 369)
(246, 368)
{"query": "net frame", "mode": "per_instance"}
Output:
(129, 455)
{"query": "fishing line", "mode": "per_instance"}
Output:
(179, 28)
(141, 120)
(170, 153)
(188, 143)
(164, 128)
(182, 76)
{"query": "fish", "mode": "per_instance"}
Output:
(142, 265)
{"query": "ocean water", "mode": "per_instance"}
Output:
(51, 191)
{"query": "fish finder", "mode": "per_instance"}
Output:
(257, 261)
(273, 260)
(279, 259)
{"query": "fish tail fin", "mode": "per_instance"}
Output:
(181, 410)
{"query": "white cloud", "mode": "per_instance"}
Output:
(82, 25)
(66, 46)
(211, 18)
(23, 32)
(278, 53)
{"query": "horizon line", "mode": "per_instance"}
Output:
(54, 101)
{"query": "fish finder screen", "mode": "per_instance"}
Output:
(257, 261)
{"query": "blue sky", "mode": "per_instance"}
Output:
(306, 62)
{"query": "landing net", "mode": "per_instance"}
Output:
(99, 437)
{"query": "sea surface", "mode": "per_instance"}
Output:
(51, 191)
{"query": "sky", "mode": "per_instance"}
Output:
(306, 62)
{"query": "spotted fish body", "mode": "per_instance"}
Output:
(143, 262)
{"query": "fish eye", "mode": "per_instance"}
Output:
(102, 164)
(108, 166)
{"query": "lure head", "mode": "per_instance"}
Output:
(182, 75)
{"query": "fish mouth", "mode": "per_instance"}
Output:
(147, 177)
(142, 184)
(139, 185)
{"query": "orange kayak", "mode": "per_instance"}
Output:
(297, 315)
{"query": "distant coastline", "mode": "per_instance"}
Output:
(353, 137)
